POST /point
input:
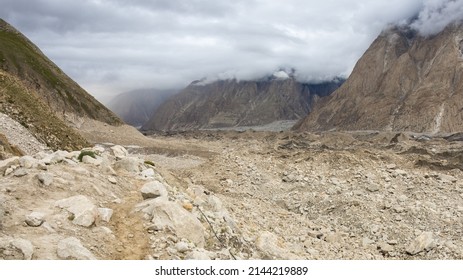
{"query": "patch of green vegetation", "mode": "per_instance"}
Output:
(32, 113)
(22, 59)
(86, 153)
(149, 162)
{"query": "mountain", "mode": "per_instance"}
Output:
(37, 94)
(230, 103)
(403, 82)
(136, 107)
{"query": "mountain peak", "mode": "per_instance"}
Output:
(403, 82)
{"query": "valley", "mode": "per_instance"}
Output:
(239, 194)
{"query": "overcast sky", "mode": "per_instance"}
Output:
(111, 46)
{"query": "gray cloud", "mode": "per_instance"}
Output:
(436, 15)
(110, 46)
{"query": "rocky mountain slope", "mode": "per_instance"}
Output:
(136, 107)
(37, 94)
(404, 82)
(231, 103)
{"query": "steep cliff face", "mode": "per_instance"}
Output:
(37, 94)
(404, 82)
(229, 103)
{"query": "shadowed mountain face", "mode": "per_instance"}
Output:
(37, 94)
(137, 106)
(404, 82)
(230, 103)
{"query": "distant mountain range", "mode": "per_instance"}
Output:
(231, 103)
(137, 106)
(37, 94)
(403, 82)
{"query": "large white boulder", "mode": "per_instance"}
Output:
(72, 249)
(84, 211)
(167, 214)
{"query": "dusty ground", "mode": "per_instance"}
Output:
(258, 195)
(361, 195)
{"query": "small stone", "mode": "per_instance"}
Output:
(105, 214)
(198, 254)
(385, 248)
(42, 166)
(153, 190)
(447, 179)
(9, 170)
(400, 172)
(373, 188)
(147, 173)
(182, 247)
(188, 206)
(402, 198)
(5, 164)
(333, 238)
(367, 242)
(20, 172)
(112, 180)
(315, 234)
(391, 166)
(424, 242)
(45, 178)
(35, 219)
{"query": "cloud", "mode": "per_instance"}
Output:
(112, 46)
(437, 14)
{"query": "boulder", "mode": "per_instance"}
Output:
(7, 163)
(16, 249)
(147, 173)
(119, 152)
(35, 219)
(170, 215)
(27, 162)
(83, 210)
(72, 249)
(129, 164)
(45, 178)
(59, 156)
(90, 160)
(198, 254)
(424, 242)
(272, 247)
(20, 172)
(105, 214)
(153, 189)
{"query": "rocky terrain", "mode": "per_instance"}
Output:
(233, 103)
(403, 82)
(243, 195)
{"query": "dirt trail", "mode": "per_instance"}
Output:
(132, 241)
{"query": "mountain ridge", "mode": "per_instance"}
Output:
(231, 103)
(41, 97)
(403, 82)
